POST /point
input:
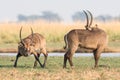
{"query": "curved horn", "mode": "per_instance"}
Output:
(32, 33)
(20, 34)
(87, 19)
(91, 18)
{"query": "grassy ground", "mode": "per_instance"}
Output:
(54, 71)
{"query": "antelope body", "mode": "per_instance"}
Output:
(33, 44)
(95, 39)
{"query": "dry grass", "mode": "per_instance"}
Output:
(56, 29)
(53, 32)
(33, 74)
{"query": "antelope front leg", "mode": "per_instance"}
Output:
(37, 59)
(44, 51)
(15, 64)
(97, 53)
(35, 63)
(45, 55)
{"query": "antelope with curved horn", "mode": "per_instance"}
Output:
(33, 44)
(95, 39)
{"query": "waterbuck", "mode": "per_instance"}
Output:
(90, 38)
(33, 44)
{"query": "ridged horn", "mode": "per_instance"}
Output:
(20, 34)
(87, 24)
(91, 18)
(32, 33)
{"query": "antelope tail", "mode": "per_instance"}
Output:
(66, 42)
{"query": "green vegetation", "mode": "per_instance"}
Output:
(83, 69)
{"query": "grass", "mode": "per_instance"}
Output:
(53, 32)
(54, 71)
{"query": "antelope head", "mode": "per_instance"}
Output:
(25, 45)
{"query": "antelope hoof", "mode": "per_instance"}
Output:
(95, 67)
(42, 66)
(64, 67)
(15, 66)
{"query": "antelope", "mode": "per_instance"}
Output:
(92, 38)
(33, 44)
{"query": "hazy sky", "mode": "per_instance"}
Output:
(9, 9)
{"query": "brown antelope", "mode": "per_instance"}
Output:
(95, 39)
(33, 44)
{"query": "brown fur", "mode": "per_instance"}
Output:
(95, 39)
(33, 44)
